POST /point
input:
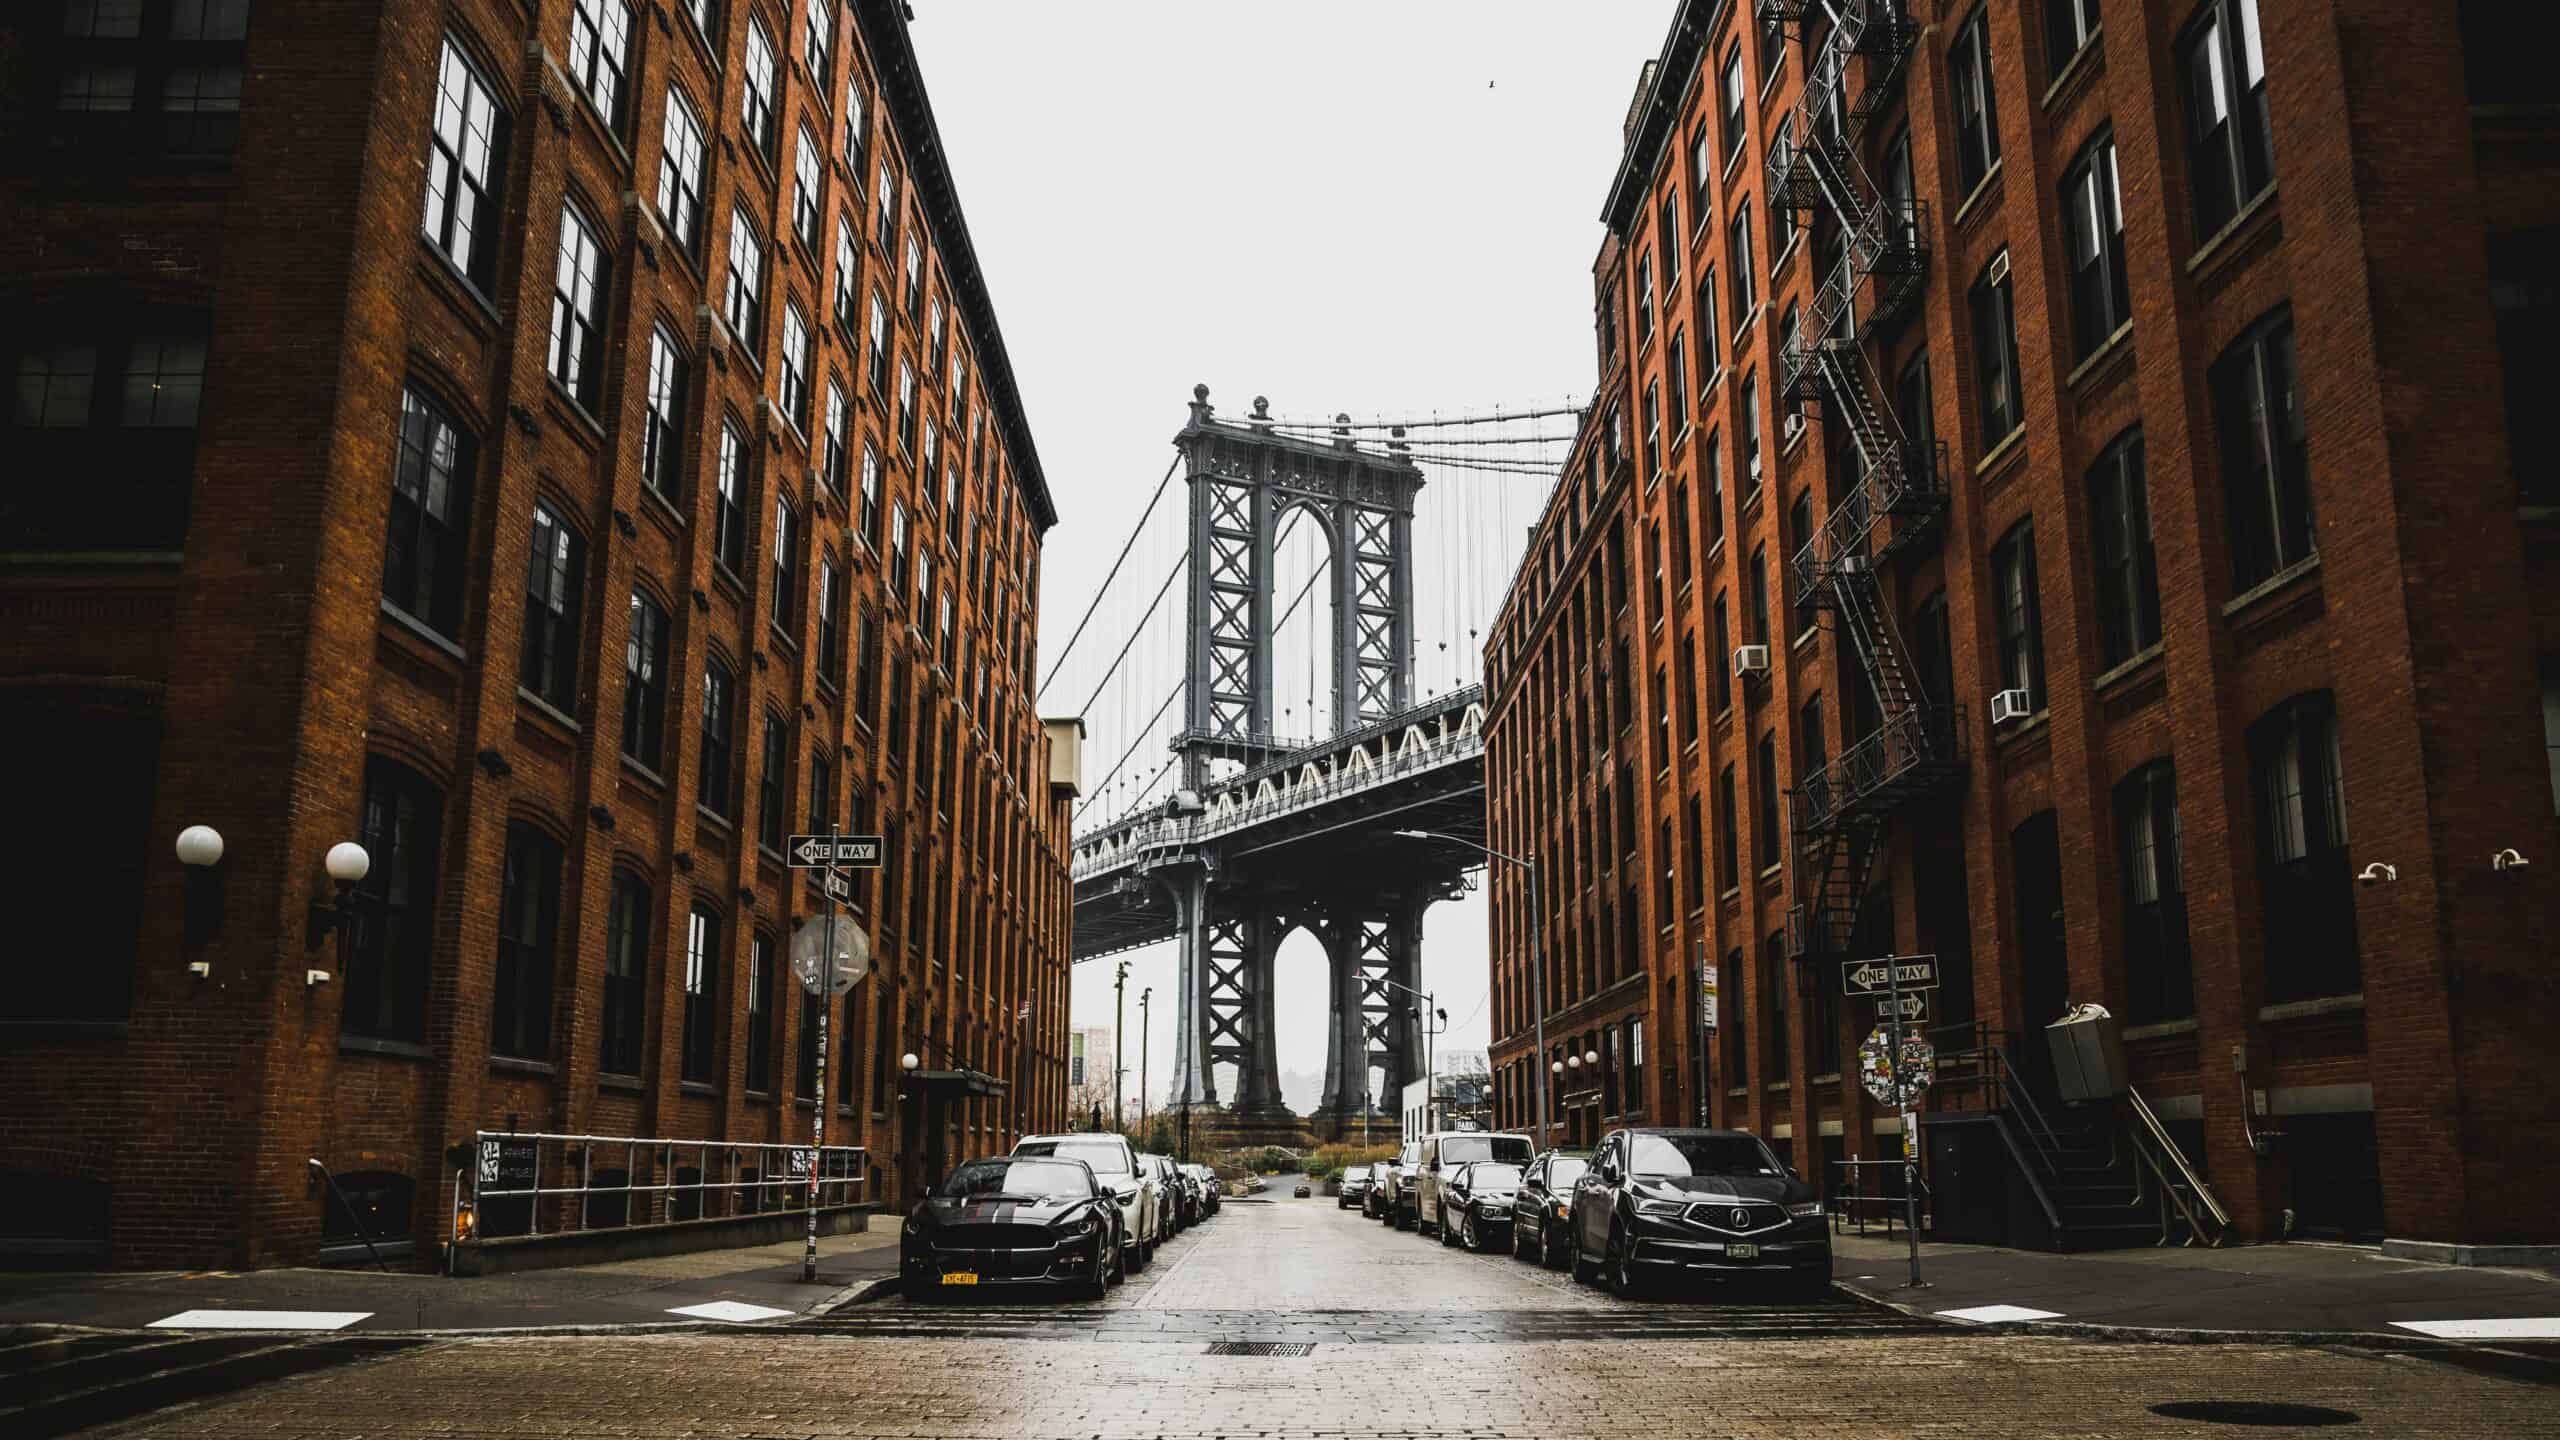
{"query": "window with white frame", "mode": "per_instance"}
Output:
(729, 518)
(680, 172)
(808, 189)
(848, 271)
(576, 293)
(793, 391)
(600, 53)
(742, 298)
(836, 460)
(462, 167)
(661, 465)
(817, 35)
(870, 495)
(755, 108)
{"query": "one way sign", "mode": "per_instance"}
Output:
(1907, 972)
(859, 852)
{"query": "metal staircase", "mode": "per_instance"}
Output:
(1841, 812)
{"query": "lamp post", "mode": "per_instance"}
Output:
(1432, 1003)
(1537, 968)
(1145, 998)
(1119, 1050)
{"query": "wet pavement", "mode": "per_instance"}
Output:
(1296, 1319)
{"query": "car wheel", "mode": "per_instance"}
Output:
(1621, 1266)
(1448, 1232)
(1408, 1219)
(1119, 1273)
(1585, 1271)
(1553, 1252)
(1469, 1239)
(1519, 1239)
(1096, 1284)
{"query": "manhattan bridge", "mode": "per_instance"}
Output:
(1310, 693)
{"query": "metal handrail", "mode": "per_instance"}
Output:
(2049, 1142)
(2150, 1129)
(841, 1175)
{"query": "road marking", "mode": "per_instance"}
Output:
(1998, 1314)
(730, 1310)
(262, 1320)
(2523, 1327)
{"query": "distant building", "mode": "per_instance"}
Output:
(1089, 1085)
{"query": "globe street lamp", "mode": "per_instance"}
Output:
(1537, 970)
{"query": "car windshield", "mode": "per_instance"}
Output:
(1107, 1157)
(1460, 1149)
(1042, 1179)
(1493, 1177)
(1562, 1172)
(1700, 1155)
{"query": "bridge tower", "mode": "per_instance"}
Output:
(1244, 480)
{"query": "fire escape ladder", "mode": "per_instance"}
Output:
(1842, 812)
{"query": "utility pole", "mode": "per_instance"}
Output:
(1119, 1024)
(1144, 997)
(1537, 961)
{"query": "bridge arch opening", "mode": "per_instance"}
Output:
(1303, 631)
(1301, 1009)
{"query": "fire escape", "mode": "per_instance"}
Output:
(1841, 813)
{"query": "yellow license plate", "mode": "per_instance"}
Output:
(961, 1277)
(1736, 1251)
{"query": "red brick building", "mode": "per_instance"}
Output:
(2212, 362)
(566, 448)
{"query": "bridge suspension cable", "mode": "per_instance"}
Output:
(1329, 424)
(1105, 587)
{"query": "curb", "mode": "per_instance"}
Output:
(2175, 1334)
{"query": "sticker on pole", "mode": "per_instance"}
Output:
(842, 968)
(1896, 1080)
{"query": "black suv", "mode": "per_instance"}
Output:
(1545, 1202)
(1665, 1201)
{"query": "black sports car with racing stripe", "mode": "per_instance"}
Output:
(1013, 1221)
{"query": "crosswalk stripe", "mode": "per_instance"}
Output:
(261, 1320)
(734, 1311)
(2521, 1327)
(1999, 1314)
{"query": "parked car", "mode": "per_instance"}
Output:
(1662, 1201)
(1134, 1189)
(1545, 1202)
(1355, 1187)
(1373, 1196)
(1479, 1195)
(1443, 1151)
(1174, 1218)
(1396, 1205)
(1014, 1221)
(1212, 1194)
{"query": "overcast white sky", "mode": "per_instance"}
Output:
(1385, 208)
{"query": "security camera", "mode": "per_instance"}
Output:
(2376, 873)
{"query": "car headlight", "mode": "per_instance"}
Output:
(1079, 1229)
(1660, 1207)
(914, 1226)
(1805, 1210)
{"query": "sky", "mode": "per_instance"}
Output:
(1387, 209)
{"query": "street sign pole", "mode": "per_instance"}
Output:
(824, 1000)
(1910, 1122)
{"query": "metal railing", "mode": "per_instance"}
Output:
(1890, 1204)
(534, 1183)
(2151, 1140)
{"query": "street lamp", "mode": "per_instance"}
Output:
(1537, 969)
(200, 851)
(347, 864)
(1428, 1080)
(908, 1061)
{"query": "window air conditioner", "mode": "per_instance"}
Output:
(2009, 705)
(1750, 659)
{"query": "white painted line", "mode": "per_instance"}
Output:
(261, 1320)
(1996, 1314)
(2524, 1327)
(730, 1310)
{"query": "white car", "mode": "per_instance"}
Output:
(1438, 1156)
(1141, 1196)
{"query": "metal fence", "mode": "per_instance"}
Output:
(530, 1183)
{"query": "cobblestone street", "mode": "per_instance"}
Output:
(1407, 1339)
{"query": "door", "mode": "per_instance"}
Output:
(1426, 1195)
(1594, 1197)
(2044, 967)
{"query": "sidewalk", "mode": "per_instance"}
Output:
(2330, 1289)
(761, 1283)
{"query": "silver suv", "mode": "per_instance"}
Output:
(1440, 1155)
(1140, 1196)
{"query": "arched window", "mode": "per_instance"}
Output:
(528, 930)
(401, 827)
(2160, 981)
(2306, 899)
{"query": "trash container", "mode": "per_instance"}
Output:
(2088, 1053)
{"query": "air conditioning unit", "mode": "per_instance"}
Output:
(2009, 705)
(1750, 659)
